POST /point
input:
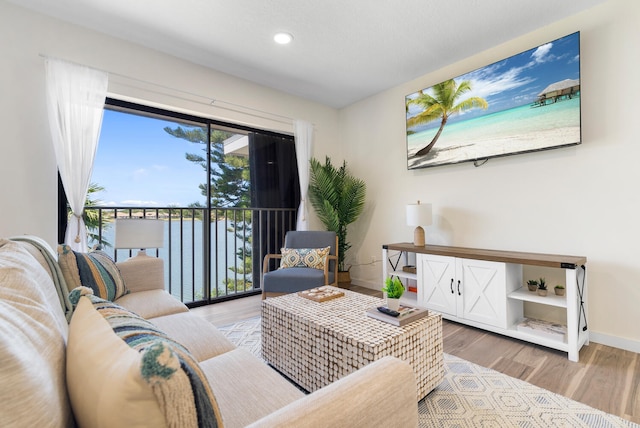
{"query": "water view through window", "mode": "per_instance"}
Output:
(189, 174)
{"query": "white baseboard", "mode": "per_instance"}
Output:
(373, 285)
(601, 338)
(615, 342)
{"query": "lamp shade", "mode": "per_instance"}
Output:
(139, 233)
(418, 214)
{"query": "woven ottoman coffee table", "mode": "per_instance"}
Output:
(316, 343)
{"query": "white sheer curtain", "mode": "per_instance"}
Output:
(303, 134)
(75, 104)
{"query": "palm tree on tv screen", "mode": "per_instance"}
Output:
(442, 105)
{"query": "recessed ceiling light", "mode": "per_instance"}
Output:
(283, 38)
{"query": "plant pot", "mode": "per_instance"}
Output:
(532, 287)
(559, 291)
(542, 292)
(344, 279)
(393, 304)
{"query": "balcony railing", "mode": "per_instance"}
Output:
(209, 254)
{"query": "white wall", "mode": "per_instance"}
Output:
(581, 200)
(28, 192)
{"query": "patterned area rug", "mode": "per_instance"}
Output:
(474, 396)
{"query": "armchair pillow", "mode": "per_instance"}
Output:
(124, 371)
(95, 270)
(304, 257)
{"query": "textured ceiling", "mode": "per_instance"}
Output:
(343, 50)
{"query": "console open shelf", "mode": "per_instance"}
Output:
(528, 296)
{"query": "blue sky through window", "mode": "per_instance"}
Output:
(140, 164)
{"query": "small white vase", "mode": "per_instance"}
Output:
(393, 304)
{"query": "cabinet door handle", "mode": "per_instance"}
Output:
(452, 286)
(459, 293)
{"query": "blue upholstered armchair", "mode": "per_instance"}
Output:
(304, 265)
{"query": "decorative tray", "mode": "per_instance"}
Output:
(321, 294)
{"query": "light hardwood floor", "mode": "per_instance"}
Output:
(606, 378)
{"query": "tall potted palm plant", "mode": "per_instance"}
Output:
(338, 199)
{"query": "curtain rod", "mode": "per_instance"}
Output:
(208, 101)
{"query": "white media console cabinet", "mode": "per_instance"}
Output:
(486, 289)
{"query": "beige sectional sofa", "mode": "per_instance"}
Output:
(63, 367)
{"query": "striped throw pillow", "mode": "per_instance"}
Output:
(167, 367)
(95, 270)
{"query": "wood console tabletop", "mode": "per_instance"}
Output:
(535, 259)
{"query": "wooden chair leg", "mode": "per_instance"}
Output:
(266, 295)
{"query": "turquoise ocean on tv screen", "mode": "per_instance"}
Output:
(504, 124)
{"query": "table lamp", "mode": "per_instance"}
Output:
(140, 234)
(418, 215)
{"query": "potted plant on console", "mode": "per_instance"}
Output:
(338, 199)
(532, 284)
(559, 290)
(394, 289)
(542, 287)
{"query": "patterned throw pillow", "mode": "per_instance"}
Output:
(95, 270)
(304, 257)
(163, 368)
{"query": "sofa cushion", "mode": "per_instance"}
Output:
(32, 350)
(142, 273)
(314, 258)
(238, 373)
(152, 303)
(198, 335)
(95, 270)
(291, 280)
(380, 394)
(154, 381)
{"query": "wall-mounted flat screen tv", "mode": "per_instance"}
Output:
(525, 103)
